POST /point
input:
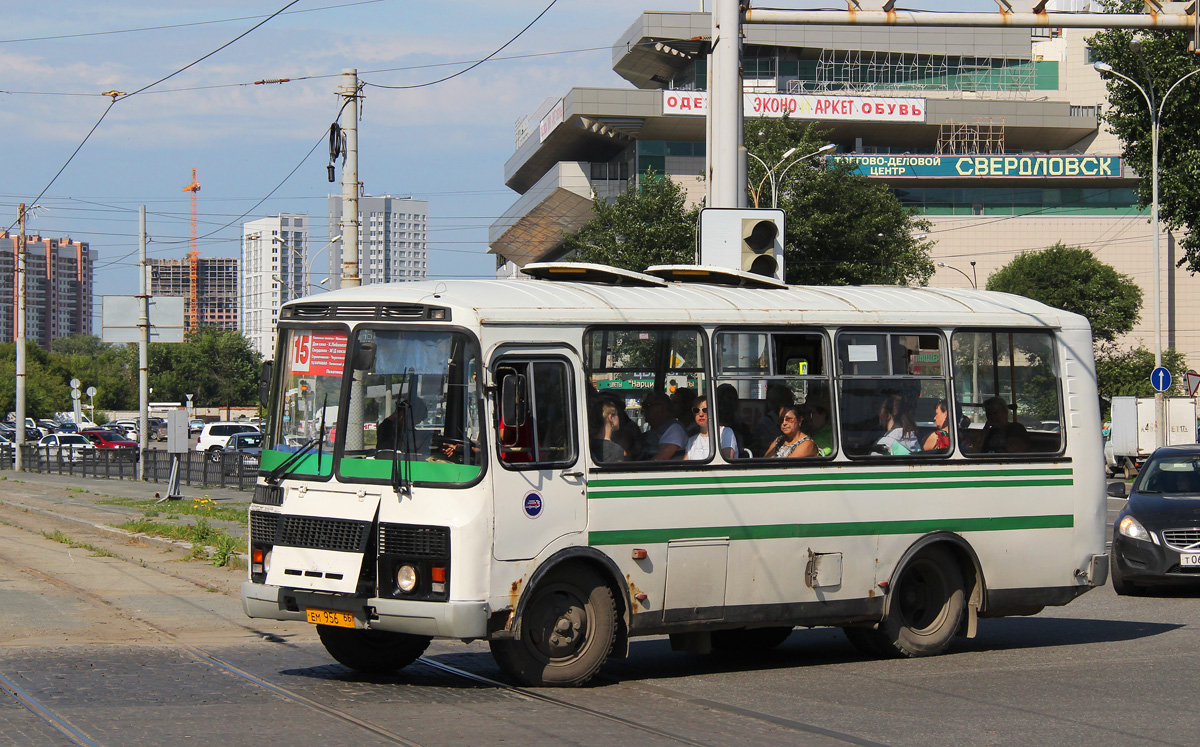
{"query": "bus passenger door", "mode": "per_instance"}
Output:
(539, 479)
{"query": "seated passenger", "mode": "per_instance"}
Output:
(766, 430)
(666, 438)
(395, 433)
(698, 448)
(994, 437)
(816, 418)
(793, 442)
(900, 431)
(727, 406)
(606, 448)
(939, 439)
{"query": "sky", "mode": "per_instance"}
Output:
(253, 145)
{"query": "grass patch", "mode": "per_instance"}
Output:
(199, 507)
(225, 550)
(58, 536)
(202, 535)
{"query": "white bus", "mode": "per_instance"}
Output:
(466, 489)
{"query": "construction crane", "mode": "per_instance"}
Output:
(193, 259)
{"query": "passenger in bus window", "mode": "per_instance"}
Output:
(900, 430)
(666, 438)
(699, 446)
(998, 435)
(766, 430)
(816, 417)
(606, 448)
(939, 439)
(793, 441)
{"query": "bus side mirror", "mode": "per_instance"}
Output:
(512, 406)
(364, 357)
(264, 382)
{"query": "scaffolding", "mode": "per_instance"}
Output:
(870, 72)
(981, 136)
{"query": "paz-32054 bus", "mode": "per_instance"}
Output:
(503, 460)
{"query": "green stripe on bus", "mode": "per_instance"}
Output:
(827, 475)
(789, 487)
(834, 529)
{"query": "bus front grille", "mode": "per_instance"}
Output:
(414, 541)
(310, 532)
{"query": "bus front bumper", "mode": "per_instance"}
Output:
(436, 619)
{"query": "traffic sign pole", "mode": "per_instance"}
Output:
(1160, 379)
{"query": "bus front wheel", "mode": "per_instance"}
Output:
(927, 605)
(372, 651)
(567, 631)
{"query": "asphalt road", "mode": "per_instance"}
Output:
(147, 648)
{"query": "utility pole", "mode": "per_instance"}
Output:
(143, 348)
(17, 464)
(349, 223)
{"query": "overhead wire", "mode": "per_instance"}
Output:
(121, 97)
(179, 25)
(476, 64)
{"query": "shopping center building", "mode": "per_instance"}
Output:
(994, 135)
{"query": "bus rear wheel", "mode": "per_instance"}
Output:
(372, 651)
(927, 605)
(567, 631)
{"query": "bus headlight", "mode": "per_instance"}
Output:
(267, 562)
(1133, 529)
(406, 578)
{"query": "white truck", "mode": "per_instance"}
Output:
(1132, 436)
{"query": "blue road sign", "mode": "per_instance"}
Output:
(1160, 379)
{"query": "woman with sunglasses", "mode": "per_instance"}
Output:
(698, 446)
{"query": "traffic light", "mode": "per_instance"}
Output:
(746, 239)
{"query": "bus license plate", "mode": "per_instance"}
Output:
(1191, 560)
(337, 618)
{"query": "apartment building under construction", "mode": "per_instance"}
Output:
(216, 288)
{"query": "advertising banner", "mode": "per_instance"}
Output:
(805, 106)
(994, 167)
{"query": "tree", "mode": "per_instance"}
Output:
(112, 369)
(1127, 373)
(218, 367)
(1163, 60)
(45, 394)
(647, 224)
(1073, 280)
(840, 228)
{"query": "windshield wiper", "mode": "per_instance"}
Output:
(286, 465)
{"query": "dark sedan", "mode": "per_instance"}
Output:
(1156, 538)
(241, 451)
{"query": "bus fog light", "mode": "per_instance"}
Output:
(406, 578)
(437, 588)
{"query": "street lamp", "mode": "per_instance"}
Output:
(771, 170)
(972, 278)
(1155, 122)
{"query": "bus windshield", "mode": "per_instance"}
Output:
(411, 413)
(414, 407)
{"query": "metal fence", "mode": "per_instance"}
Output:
(228, 470)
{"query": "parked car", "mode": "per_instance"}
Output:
(130, 427)
(65, 426)
(241, 448)
(1156, 537)
(65, 446)
(112, 442)
(195, 425)
(32, 435)
(214, 435)
(158, 429)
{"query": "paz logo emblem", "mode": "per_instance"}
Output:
(533, 504)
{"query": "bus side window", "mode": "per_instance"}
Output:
(535, 421)
(1006, 385)
(890, 389)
